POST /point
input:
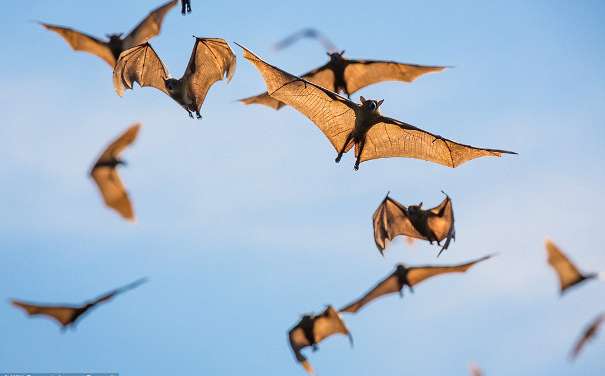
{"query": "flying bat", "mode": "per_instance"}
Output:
(68, 315)
(392, 219)
(211, 61)
(342, 75)
(347, 124)
(110, 50)
(589, 333)
(185, 6)
(306, 33)
(567, 272)
(106, 177)
(312, 329)
(406, 276)
(475, 370)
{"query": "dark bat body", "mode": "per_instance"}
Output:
(569, 275)
(110, 50)
(312, 329)
(404, 276)
(347, 124)
(185, 6)
(589, 333)
(68, 315)
(211, 60)
(392, 219)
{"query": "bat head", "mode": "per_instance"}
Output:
(172, 84)
(370, 105)
(335, 56)
(114, 37)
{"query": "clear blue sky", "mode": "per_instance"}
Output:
(245, 222)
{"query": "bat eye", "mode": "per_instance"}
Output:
(372, 105)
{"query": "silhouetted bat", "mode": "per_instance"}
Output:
(185, 6)
(347, 124)
(392, 219)
(311, 330)
(567, 272)
(347, 76)
(68, 315)
(404, 276)
(105, 175)
(211, 61)
(306, 33)
(588, 334)
(111, 50)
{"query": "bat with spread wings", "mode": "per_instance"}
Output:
(342, 75)
(106, 177)
(347, 124)
(68, 315)
(589, 333)
(407, 276)
(569, 275)
(110, 50)
(306, 33)
(312, 329)
(211, 60)
(185, 7)
(392, 219)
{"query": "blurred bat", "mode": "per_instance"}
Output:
(110, 50)
(392, 219)
(305, 33)
(185, 6)
(68, 315)
(475, 370)
(211, 60)
(106, 177)
(312, 329)
(347, 124)
(588, 334)
(567, 272)
(404, 276)
(347, 76)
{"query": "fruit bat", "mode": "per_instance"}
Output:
(106, 177)
(347, 124)
(306, 33)
(588, 334)
(404, 276)
(567, 272)
(68, 315)
(211, 61)
(347, 76)
(185, 6)
(392, 219)
(312, 329)
(475, 370)
(110, 50)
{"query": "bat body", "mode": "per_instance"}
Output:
(306, 33)
(406, 276)
(312, 329)
(392, 219)
(185, 7)
(568, 273)
(589, 333)
(68, 315)
(111, 49)
(211, 60)
(106, 177)
(347, 124)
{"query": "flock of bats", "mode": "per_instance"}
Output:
(345, 123)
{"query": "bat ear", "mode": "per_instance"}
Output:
(362, 99)
(328, 53)
(420, 205)
(342, 52)
(379, 103)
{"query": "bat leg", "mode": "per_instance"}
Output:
(344, 147)
(357, 161)
(198, 115)
(314, 347)
(189, 113)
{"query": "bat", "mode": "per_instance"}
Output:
(392, 219)
(305, 33)
(312, 329)
(110, 50)
(475, 370)
(569, 275)
(347, 124)
(68, 315)
(104, 173)
(589, 333)
(185, 7)
(342, 75)
(406, 276)
(211, 61)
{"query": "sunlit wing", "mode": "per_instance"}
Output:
(117, 146)
(114, 194)
(398, 221)
(418, 274)
(567, 272)
(389, 285)
(441, 222)
(142, 65)
(62, 314)
(328, 324)
(149, 27)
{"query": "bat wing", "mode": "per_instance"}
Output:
(567, 272)
(587, 335)
(387, 286)
(142, 65)
(118, 145)
(298, 341)
(211, 60)
(110, 295)
(393, 138)
(149, 27)
(305, 33)
(420, 273)
(329, 323)
(113, 191)
(64, 315)
(361, 73)
(390, 220)
(83, 42)
(331, 113)
(441, 222)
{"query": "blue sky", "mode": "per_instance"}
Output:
(245, 222)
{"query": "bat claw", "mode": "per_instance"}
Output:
(356, 167)
(198, 115)
(338, 158)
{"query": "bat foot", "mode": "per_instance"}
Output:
(198, 115)
(338, 158)
(190, 114)
(356, 167)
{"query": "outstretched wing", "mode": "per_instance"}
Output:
(113, 191)
(420, 273)
(329, 323)
(118, 145)
(331, 113)
(441, 222)
(305, 33)
(390, 220)
(567, 272)
(387, 286)
(62, 314)
(361, 73)
(120, 290)
(211, 60)
(394, 138)
(587, 335)
(298, 341)
(149, 27)
(83, 42)
(142, 65)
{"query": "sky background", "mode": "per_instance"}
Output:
(245, 222)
